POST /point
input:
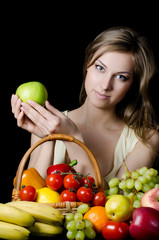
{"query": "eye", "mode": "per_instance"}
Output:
(122, 77)
(99, 67)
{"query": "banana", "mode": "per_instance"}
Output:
(45, 230)
(12, 231)
(14, 215)
(40, 212)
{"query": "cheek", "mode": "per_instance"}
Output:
(122, 91)
(89, 81)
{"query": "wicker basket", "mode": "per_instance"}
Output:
(64, 207)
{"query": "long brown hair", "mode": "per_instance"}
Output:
(135, 109)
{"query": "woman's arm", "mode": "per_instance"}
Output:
(42, 157)
(142, 155)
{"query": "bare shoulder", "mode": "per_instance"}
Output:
(154, 139)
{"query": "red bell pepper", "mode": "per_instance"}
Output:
(62, 168)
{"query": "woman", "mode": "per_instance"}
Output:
(116, 119)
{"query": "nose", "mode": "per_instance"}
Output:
(107, 83)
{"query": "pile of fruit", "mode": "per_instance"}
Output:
(134, 184)
(128, 209)
(62, 184)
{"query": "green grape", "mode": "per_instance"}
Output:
(138, 185)
(135, 174)
(113, 191)
(125, 175)
(155, 172)
(78, 216)
(88, 223)
(80, 225)
(113, 182)
(136, 204)
(71, 234)
(80, 235)
(142, 179)
(148, 176)
(122, 184)
(126, 191)
(157, 185)
(71, 225)
(139, 195)
(145, 187)
(69, 217)
(154, 179)
(152, 171)
(130, 183)
(151, 184)
(90, 233)
(83, 208)
(142, 170)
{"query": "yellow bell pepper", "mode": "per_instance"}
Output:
(33, 178)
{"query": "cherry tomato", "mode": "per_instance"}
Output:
(99, 199)
(54, 181)
(88, 181)
(84, 194)
(68, 195)
(115, 230)
(72, 181)
(28, 193)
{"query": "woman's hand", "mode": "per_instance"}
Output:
(39, 120)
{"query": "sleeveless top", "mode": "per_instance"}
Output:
(125, 145)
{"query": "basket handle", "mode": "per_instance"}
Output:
(98, 177)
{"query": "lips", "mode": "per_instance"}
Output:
(101, 96)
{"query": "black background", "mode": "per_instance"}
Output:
(46, 42)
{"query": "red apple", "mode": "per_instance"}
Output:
(145, 224)
(151, 199)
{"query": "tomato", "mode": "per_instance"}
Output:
(88, 181)
(84, 194)
(72, 181)
(115, 230)
(99, 199)
(68, 195)
(54, 181)
(28, 193)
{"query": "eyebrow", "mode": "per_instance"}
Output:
(117, 72)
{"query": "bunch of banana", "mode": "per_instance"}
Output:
(40, 212)
(45, 230)
(14, 223)
(48, 220)
(12, 231)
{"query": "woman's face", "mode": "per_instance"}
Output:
(109, 79)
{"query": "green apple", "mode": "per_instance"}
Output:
(35, 91)
(119, 208)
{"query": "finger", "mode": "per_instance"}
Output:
(53, 110)
(37, 118)
(51, 113)
(40, 109)
(16, 104)
(20, 119)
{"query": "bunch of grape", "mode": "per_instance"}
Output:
(134, 184)
(77, 227)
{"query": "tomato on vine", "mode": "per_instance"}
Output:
(99, 199)
(54, 181)
(68, 195)
(88, 181)
(84, 194)
(72, 181)
(28, 193)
